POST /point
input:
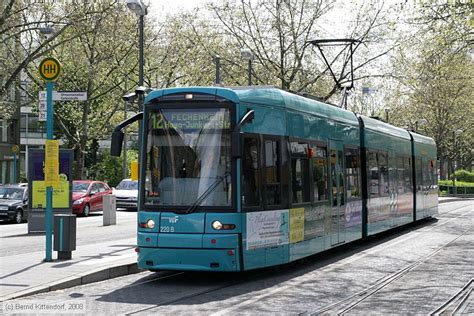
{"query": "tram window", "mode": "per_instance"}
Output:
(320, 174)
(408, 174)
(300, 180)
(419, 175)
(373, 173)
(341, 176)
(272, 172)
(383, 184)
(250, 173)
(427, 174)
(400, 176)
(352, 173)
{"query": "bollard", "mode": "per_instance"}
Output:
(109, 210)
(64, 235)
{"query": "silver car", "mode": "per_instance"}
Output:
(126, 194)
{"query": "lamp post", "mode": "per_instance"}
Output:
(455, 132)
(140, 9)
(419, 122)
(247, 54)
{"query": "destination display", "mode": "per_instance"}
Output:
(191, 119)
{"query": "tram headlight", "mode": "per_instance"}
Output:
(150, 223)
(217, 225)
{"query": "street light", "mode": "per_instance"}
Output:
(419, 122)
(140, 9)
(455, 132)
(247, 54)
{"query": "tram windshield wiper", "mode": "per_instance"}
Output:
(206, 193)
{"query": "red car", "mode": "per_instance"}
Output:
(87, 196)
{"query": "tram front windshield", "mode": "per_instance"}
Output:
(188, 158)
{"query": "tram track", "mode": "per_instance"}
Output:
(377, 286)
(339, 307)
(349, 303)
(458, 303)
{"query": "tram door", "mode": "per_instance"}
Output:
(336, 171)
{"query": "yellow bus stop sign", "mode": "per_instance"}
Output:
(50, 69)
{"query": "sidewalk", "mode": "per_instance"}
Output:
(453, 199)
(102, 253)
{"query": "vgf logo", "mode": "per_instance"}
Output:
(172, 219)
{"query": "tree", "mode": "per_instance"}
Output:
(436, 77)
(98, 60)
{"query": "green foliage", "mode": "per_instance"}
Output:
(464, 175)
(109, 169)
(458, 183)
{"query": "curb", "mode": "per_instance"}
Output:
(455, 200)
(75, 280)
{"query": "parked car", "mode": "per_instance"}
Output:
(126, 194)
(87, 196)
(13, 202)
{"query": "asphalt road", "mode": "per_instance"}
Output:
(424, 268)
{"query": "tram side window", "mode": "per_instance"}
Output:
(434, 174)
(383, 167)
(400, 176)
(250, 173)
(320, 174)
(419, 175)
(373, 173)
(353, 173)
(272, 172)
(408, 174)
(427, 174)
(300, 173)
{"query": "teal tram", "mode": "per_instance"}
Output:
(235, 179)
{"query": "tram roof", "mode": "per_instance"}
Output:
(267, 96)
(375, 125)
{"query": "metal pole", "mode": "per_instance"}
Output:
(217, 60)
(140, 97)
(26, 146)
(124, 164)
(141, 44)
(49, 189)
(14, 168)
(454, 163)
(250, 72)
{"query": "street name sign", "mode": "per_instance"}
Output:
(64, 95)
